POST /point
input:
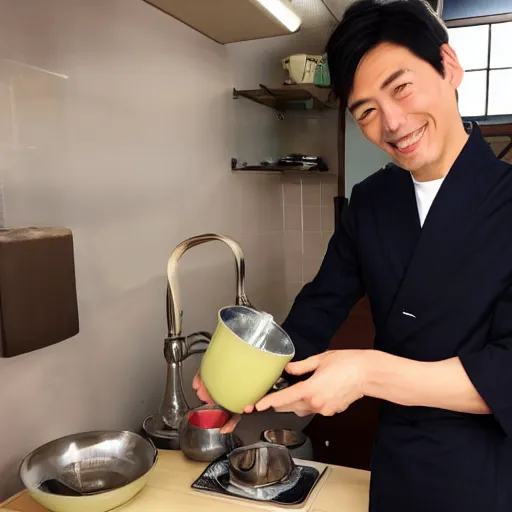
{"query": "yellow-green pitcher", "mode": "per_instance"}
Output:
(246, 356)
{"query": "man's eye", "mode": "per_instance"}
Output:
(401, 88)
(366, 113)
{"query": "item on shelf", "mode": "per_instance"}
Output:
(322, 77)
(301, 67)
(305, 162)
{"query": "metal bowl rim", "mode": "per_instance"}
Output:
(259, 445)
(302, 437)
(276, 325)
(206, 407)
(89, 432)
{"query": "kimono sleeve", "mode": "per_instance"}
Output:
(490, 370)
(323, 304)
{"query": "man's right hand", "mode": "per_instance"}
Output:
(204, 396)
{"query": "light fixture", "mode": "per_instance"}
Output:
(283, 11)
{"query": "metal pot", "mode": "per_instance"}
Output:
(200, 437)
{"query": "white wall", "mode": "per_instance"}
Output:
(362, 158)
(115, 121)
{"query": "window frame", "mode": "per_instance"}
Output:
(496, 125)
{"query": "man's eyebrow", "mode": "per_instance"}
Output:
(357, 104)
(389, 80)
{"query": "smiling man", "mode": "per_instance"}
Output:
(429, 240)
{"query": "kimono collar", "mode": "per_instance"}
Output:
(430, 254)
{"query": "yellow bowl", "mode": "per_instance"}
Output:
(90, 471)
(246, 356)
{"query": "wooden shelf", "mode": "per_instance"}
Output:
(290, 97)
(496, 130)
(275, 169)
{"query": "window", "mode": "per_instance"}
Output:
(485, 54)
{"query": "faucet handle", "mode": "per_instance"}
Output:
(175, 349)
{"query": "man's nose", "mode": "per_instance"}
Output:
(393, 118)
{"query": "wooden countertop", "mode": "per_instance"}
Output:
(168, 490)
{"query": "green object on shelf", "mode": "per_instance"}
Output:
(322, 77)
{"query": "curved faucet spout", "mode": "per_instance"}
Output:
(163, 427)
(174, 312)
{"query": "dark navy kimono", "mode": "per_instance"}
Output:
(436, 292)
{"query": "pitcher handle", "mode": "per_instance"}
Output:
(190, 341)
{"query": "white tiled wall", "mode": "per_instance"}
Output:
(309, 225)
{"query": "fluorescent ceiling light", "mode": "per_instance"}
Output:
(283, 11)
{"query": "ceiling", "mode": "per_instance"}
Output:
(337, 7)
(313, 13)
(228, 21)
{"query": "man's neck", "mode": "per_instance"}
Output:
(439, 169)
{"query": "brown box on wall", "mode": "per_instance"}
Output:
(38, 300)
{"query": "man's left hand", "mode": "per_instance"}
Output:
(338, 380)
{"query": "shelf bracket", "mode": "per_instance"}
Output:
(264, 87)
(280, 113)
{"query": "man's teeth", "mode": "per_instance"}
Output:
(410, 139)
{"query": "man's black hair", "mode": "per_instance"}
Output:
(367, 23)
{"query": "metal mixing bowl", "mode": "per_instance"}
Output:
(88, 472)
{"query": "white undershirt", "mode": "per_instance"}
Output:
(426, 192)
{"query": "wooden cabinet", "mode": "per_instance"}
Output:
(347, 438)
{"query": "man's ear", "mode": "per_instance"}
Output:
(453, 71)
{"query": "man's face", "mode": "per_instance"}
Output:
(404, 106)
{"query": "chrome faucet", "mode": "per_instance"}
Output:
(163, 428)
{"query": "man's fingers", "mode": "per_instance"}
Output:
(306, 366)
(204, 396)
(280, 398)
(248, 409)
(230, 425)
(299, 408)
